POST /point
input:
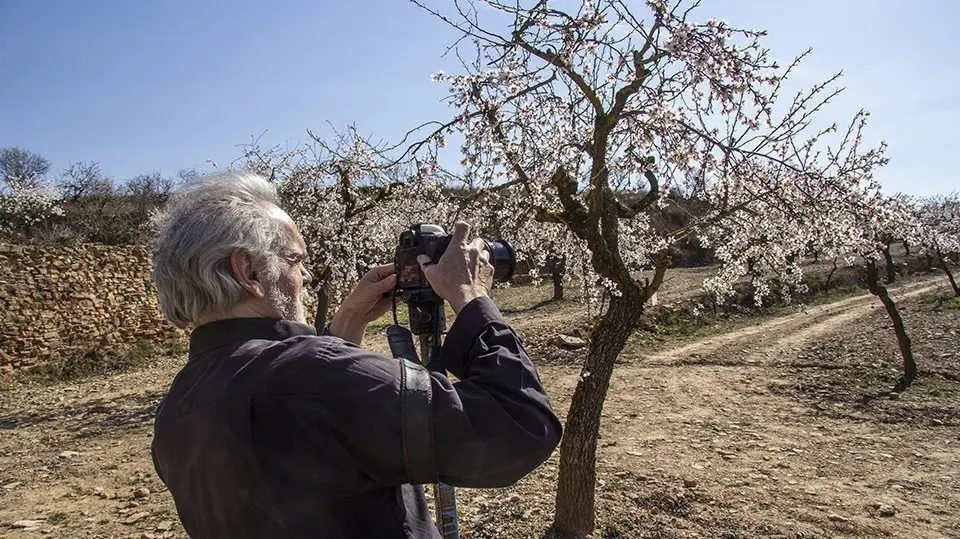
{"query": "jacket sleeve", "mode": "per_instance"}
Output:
(489, 429)
(495, 424)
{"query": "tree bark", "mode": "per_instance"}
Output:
(557, 266)
(891, 268)
(877, 289)
(826, 285)
(906, 248)
(323, 308)
(946, 269)
(574, 516)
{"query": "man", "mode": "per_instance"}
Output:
(271, 431)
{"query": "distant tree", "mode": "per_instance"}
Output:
(89, 202)
(25, 211)
(22, 169)
(27, 201)
(139, 197)
(939, 218)
(881, 219)
(84, 180)
(854, 221)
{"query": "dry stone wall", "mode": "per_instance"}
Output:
(58, 301)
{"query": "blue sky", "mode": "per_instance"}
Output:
(145, 86)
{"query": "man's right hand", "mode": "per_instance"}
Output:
(463, 273)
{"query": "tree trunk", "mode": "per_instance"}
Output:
(877, 289)
(891, 268)
(946, 269)
(323, 308)
(575, 514)
(557, 266)
(906, 248)
(826, 285)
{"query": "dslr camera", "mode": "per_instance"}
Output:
(426, 311)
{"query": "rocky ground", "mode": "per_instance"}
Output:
(779, 426)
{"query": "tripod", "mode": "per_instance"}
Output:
(427, 321)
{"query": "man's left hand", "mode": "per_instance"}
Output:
(364, 304)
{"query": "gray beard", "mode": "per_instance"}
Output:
(287, 306)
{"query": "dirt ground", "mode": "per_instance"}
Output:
(780, 426)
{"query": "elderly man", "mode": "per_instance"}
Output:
(271, 431)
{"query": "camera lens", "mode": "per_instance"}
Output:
(504, 260)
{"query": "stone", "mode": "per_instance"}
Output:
(69, 454)
(165, 526)
(136, 517)
(690, 482)
(885, 510)
(141, 492)
(568, 342)
(24, 524)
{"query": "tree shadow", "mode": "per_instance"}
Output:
(92, 417)
(534, 307)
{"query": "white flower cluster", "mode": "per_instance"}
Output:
(938, 221)
(24, 205)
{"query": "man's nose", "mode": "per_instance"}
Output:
(307, 278)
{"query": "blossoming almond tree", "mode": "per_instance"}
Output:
(572, 107)
(24, 207)
(26, 198)
(858, 222)
(350, 204)
(939, 218)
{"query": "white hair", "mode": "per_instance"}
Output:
(202, 224)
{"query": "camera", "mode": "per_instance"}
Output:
(432, 240)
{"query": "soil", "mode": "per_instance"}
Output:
(778, 426)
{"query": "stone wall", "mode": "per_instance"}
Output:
(57, 301)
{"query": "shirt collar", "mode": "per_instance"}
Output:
(229, 330)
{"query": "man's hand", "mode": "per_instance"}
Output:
(365, 304)
(463, 273)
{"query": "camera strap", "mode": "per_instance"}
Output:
(416, 410)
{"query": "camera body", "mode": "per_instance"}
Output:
(426, 307)
(419, 239)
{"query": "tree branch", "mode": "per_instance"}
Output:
(630, 211)
(555, 60)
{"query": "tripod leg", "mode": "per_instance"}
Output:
(447, 521)
(445, 496)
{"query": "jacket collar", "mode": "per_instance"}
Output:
(231, 330)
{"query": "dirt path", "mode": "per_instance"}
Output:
(696, 441)
(787, 332)
(705, 413)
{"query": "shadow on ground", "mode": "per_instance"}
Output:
(96, 416)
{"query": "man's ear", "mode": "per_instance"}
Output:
(242, 266)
